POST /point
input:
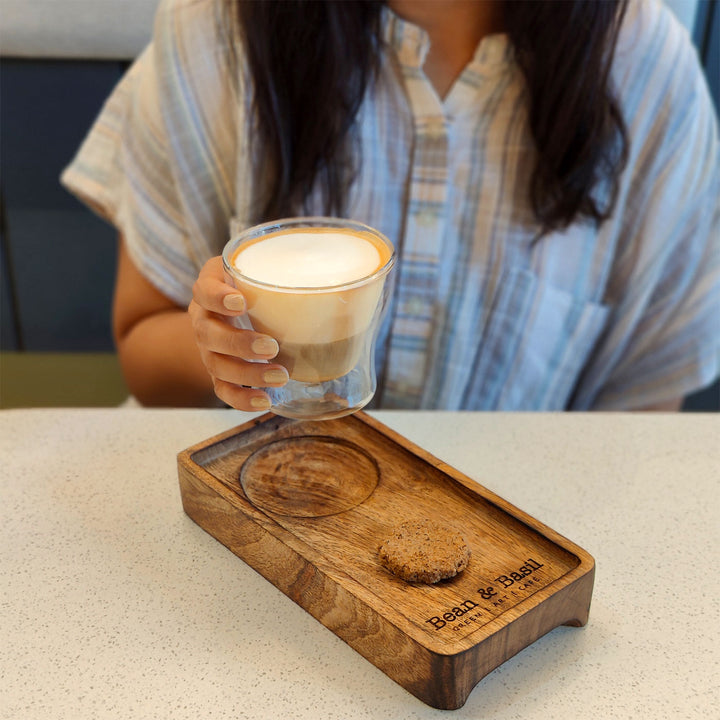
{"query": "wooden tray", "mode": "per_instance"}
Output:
(319, 547)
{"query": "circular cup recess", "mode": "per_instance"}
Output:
(309, 476)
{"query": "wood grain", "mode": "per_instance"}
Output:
(438, 640)
(308, 476)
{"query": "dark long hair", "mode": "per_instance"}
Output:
(312, 61)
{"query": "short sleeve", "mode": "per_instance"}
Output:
(158, 161)
(663, 340)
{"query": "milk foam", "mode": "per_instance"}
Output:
(308, 259)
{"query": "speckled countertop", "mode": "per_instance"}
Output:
(114, 604)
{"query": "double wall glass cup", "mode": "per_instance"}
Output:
(320, 287)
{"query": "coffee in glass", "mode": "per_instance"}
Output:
(319, 286)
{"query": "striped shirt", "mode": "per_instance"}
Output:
(483, 317)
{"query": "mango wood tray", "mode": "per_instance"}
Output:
(306, 504)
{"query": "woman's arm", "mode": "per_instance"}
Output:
(155, 342)
(176, 357)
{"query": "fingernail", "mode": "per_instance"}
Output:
(260, 403)
(234, 302)
(265, 346)
(275, 376)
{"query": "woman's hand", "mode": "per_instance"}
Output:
(226, 351)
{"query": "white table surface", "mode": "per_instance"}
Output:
(114, 604)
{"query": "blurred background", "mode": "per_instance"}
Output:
(59, 60)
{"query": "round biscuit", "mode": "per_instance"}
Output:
(424, 551)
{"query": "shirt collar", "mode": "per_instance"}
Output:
(411, 44)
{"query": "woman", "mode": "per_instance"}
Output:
(548, 171)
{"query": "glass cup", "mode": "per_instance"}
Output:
(326, 330)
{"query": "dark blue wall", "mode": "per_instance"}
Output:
(58, 259)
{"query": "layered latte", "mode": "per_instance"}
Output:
(316, 291)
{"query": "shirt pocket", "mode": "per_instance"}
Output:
(535, 344)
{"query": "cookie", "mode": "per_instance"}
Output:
(424, 551)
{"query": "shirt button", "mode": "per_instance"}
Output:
(426, 218)
(435, 129)
(415, 306)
